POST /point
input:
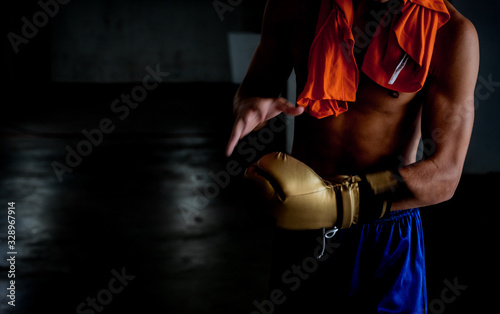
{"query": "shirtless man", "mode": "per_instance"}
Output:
(381, 130)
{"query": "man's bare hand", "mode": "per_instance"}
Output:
(253, 114)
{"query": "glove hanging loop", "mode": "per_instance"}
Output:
(327, 235)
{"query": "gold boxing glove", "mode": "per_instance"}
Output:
(300, 199)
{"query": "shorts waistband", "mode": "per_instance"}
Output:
(396, 214)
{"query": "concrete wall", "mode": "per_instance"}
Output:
(112, 41)
(484, 149)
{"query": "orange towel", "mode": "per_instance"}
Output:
(398, 56)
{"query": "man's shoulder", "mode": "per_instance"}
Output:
(459, 29)
(456, 41)
(287, 20)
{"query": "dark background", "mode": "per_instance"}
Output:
(134, 202)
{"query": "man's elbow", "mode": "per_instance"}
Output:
(450, 191)
(444, 188)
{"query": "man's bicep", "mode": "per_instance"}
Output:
(448, 110)
(446, 129)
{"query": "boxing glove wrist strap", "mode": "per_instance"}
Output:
(377, 192)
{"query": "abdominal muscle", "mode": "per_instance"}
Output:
(377, 132)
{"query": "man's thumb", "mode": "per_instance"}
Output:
(293, 111)
(289, 108)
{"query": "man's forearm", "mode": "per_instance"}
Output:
(426, 183)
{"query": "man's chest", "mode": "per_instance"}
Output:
(300, 40)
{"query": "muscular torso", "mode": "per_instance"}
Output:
(380, 130)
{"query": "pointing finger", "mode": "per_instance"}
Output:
(235, 137)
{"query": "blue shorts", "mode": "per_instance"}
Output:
(377, 267)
